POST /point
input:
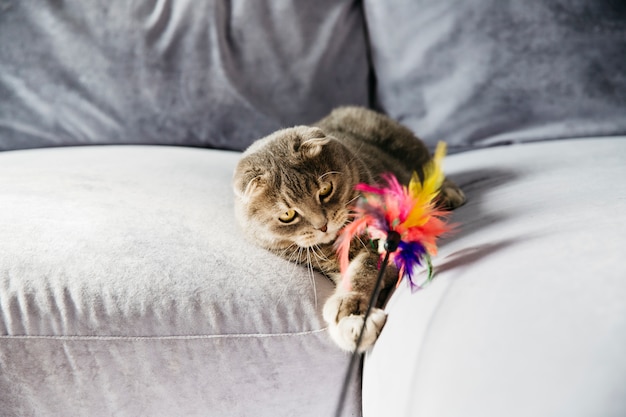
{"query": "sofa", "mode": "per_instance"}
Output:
(127, 288)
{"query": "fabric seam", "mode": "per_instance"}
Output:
(173, 337)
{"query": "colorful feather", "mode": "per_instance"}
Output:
(410, 211)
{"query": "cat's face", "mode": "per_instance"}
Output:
(294, 187)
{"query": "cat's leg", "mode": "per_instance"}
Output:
(344, 311)
(451, 196)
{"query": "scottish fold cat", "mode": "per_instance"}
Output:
(293, 193)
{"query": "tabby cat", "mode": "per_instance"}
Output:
(293, 192)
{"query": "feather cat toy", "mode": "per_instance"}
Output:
(407, 214)
(405, 222)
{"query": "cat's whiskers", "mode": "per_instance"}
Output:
(285, 250)
(349, 202)
(301, 255)
(311, 274)
(319, 254)
(292, 258)
(361, 241)
(290, 253)
(283, 253)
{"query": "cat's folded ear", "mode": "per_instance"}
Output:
(247, 182)
(313, 142)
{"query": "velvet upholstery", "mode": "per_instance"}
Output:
(526, 315)
(126, 288)
(213, 73)
(490, 72)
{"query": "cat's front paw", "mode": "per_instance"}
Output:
(344, 314)
(346, 332)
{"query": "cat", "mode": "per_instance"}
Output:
(293, 191)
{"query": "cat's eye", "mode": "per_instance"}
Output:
(287, 216)
(325, 189)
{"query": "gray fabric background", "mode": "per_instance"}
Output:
(484, 72)
(206, 73)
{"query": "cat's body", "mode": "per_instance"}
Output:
(293, 191)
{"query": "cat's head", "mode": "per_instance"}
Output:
(294, 187)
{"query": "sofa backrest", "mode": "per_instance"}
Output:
(212, 73)
(478, 73)
(221, 74)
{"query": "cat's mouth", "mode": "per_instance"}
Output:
(328, 238)
(318, 238)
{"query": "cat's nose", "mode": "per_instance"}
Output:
(324, 228)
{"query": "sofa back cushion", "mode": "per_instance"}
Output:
(210, 73)
(484, 72)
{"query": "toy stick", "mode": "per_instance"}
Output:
(391, 245)
(408, 221)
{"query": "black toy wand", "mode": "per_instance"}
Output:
(391, 244)
(410, 222)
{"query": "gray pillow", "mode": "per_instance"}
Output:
(484, 72)
(213, 73)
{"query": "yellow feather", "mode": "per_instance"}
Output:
(433, 175)
(425, 192)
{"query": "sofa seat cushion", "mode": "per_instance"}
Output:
(526, 315)
(126, 288)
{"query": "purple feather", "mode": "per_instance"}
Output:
(409, 257)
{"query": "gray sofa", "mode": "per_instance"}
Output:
(126, 288)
